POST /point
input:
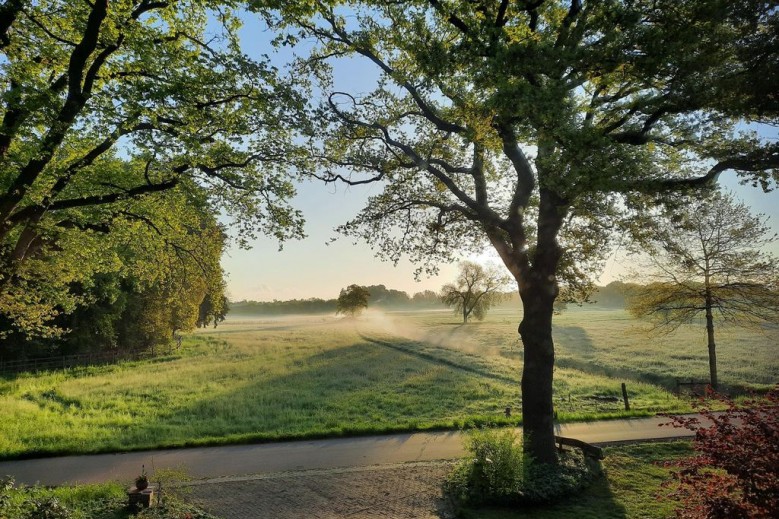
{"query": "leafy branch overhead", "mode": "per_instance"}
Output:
(179, 100)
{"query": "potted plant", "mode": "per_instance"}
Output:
(142, 481)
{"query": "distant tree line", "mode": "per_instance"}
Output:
(610, 296)
(380, 297)
(614, 295)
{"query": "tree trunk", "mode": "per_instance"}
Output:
(465, 314)
(538, 290)
(537, 372)
(711, 344)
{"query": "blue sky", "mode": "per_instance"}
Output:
(314, 268)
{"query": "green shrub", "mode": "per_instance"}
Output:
(49, 508)
(498, 472)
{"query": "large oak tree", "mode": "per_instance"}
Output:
(535, 127)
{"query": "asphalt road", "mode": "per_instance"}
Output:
(237, 460)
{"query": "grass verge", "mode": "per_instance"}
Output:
(630, 489)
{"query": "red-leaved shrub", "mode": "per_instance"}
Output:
(734, 473)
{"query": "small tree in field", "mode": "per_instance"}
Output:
(735, 471)
(475, 291)
(708, 261)
(352, 301)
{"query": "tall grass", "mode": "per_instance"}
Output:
(612, 343)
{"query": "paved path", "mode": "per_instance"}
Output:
(237, 460)
(400, 491)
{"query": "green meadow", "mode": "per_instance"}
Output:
(264, 379)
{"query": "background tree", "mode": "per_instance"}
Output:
(709, 259)
(533, 127)
(141, 282)
(475, 290)
(105, 107)
(352, 301)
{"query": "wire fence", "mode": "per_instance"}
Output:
(35, 365)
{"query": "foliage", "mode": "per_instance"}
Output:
(734, 473)
(380, 297)
(160, 273)
(352, 300)
(293, 306)
(475, 291)
(535, 128)
(110, 111)
(632, 477)
(708, 259)
(213, 309)
(710, 256)
(613, 295)
(497, 471)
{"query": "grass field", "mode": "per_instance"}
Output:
(297, 377)
(612, 343)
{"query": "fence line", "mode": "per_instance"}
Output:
(67, 361)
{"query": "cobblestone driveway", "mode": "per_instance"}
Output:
(409, 490)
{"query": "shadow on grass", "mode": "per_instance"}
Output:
(406, 349)
(355, 390)
(583, 355)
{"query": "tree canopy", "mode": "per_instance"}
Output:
(352, 300)
(113, 113)
(536, 128)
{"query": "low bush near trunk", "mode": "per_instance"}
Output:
(498, 472)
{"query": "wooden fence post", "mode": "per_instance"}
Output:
(625, 397)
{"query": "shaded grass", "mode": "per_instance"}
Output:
(630, 488)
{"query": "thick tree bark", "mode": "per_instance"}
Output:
(538, 290)
(537, 372)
